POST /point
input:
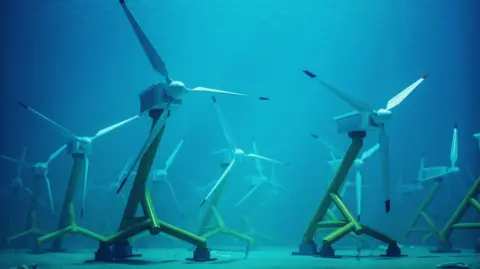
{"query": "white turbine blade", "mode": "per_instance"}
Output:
(50, 196)
(219, 152)
(470, 175)
(353, 102)
(358, 192)
(256, 156)
(56, 153)
(223, 123)
(153, 134)
(85, 183)
(421, 170)
(276, 184)
(114, 126)
(174, 196)
(124, 171)
(432, 173)
(174, 153)
(65, 132)
(395, 101)
(454, 148)
(343, 189)
(369, 152)
(258, 163)
(335, 152)
(220, 180)
(477, 136)
(19, 162)
(385, 166)
(203, 89)
(20, 166)
(252, 190)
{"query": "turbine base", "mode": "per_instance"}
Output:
(306, 249)
(326, 251)
(393, 250)
(116, 252)
(201, 255)
(444, 247)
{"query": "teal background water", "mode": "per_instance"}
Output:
(79, 63)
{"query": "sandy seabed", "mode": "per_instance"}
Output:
(274, 258)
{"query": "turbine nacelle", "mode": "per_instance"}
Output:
(160, 173)
(381, 116)
(358, 121)
(176, 90)
(454, 170)
(40, 169)
(80, 145)
(158, 96)
(477, 136)
(239, 152)
(358, 163)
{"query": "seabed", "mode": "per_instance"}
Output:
(274, 258)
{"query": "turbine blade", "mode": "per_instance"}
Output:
(155, 60)
(398, 99)
(153, 134)
(335, 152)
(470, 175)
(64, 131)
(223, 123)
(477, 136)
(204, 89)
(220, 180)
(353, 102)
(174, 196)
(252, 190)
(256, 156)
(454, 147)
(258, 163)
(174, 153)
(19, 162)
(56, 153)
(435, 172)
(358, 192)
(114, 126)
(276, 184)
(421, 170)
(219, 152)
(85, 184)
(124, 171)
(50, 196)
(369, 152)
(385, 166)
(20, 166)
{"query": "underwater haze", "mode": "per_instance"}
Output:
(79, 63)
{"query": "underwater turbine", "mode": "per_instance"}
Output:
(366, 118)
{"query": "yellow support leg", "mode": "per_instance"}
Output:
(117, 246)
(67, 223)
(350, 224)
(444, 245)
(211, 210)
(252, 232)
(422, 213)
(31, 226)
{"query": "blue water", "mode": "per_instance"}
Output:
(79, 63)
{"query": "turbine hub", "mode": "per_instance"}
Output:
(161, 173)
(381, 116)
(239, 152)
(454, 169)
(40, 169)
(176, 90)
(358, 163)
